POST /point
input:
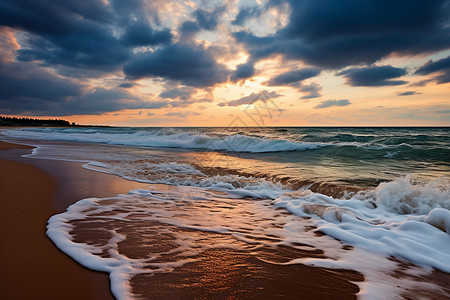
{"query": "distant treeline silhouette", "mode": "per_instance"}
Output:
(8, 121)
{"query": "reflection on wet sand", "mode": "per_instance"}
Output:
(227, 248)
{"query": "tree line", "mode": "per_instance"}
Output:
(13, 121)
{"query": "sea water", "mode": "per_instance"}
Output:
(380, 196)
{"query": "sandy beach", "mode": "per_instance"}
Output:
(31, 266)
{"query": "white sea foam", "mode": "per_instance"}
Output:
(246, 224)
(405, 197)
(378, 221)
(187, 175)
(118, 266)
(439, 218)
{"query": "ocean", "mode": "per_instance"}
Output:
(373, 200)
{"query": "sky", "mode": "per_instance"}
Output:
(227, 63)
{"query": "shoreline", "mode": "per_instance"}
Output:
(31, 191)
(56, 184)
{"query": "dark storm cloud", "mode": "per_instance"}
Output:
(183, 93)
(90, 39)
(329, 103)
(19, 80)
(64, 33)
(91, 50)
(52, 17)
(36, 92)
(30, 90)
(101, 100)
(141, 34)
(208, 20)
(243, 71)
(294, 76)
(191, 65)
(80, 34)
(441, 67)
(188, 29)
(203, 20)
(334, 34)
(373, 76)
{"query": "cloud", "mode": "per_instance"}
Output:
(91, 49)
(127, 85)
(184, 103)
(312, 90)
(191, 65)
(294, 79)
(421, 83)
(100, 100)
(86, 57)
(28, 93)
(329, 103)
(408, 93)
(65, 34)
(20, 82)
(182, 114)
(373, 76)
(90, 35)
(293, 76)
(30, 90)
(141, 34)
(246, 13)
(203, 20)
(52, 17)
(252, 98)
(243, 71)
(183, 93)
(334, 34)
(442, 67)
(434, 66)
(208, 19)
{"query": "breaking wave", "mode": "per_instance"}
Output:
(167, 139)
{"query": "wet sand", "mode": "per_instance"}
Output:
(32, 190)
(32, 267)
(227, 268)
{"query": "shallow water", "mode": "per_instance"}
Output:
(168, 241)
(360, 156)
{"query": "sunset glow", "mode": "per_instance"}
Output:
(206, 63)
